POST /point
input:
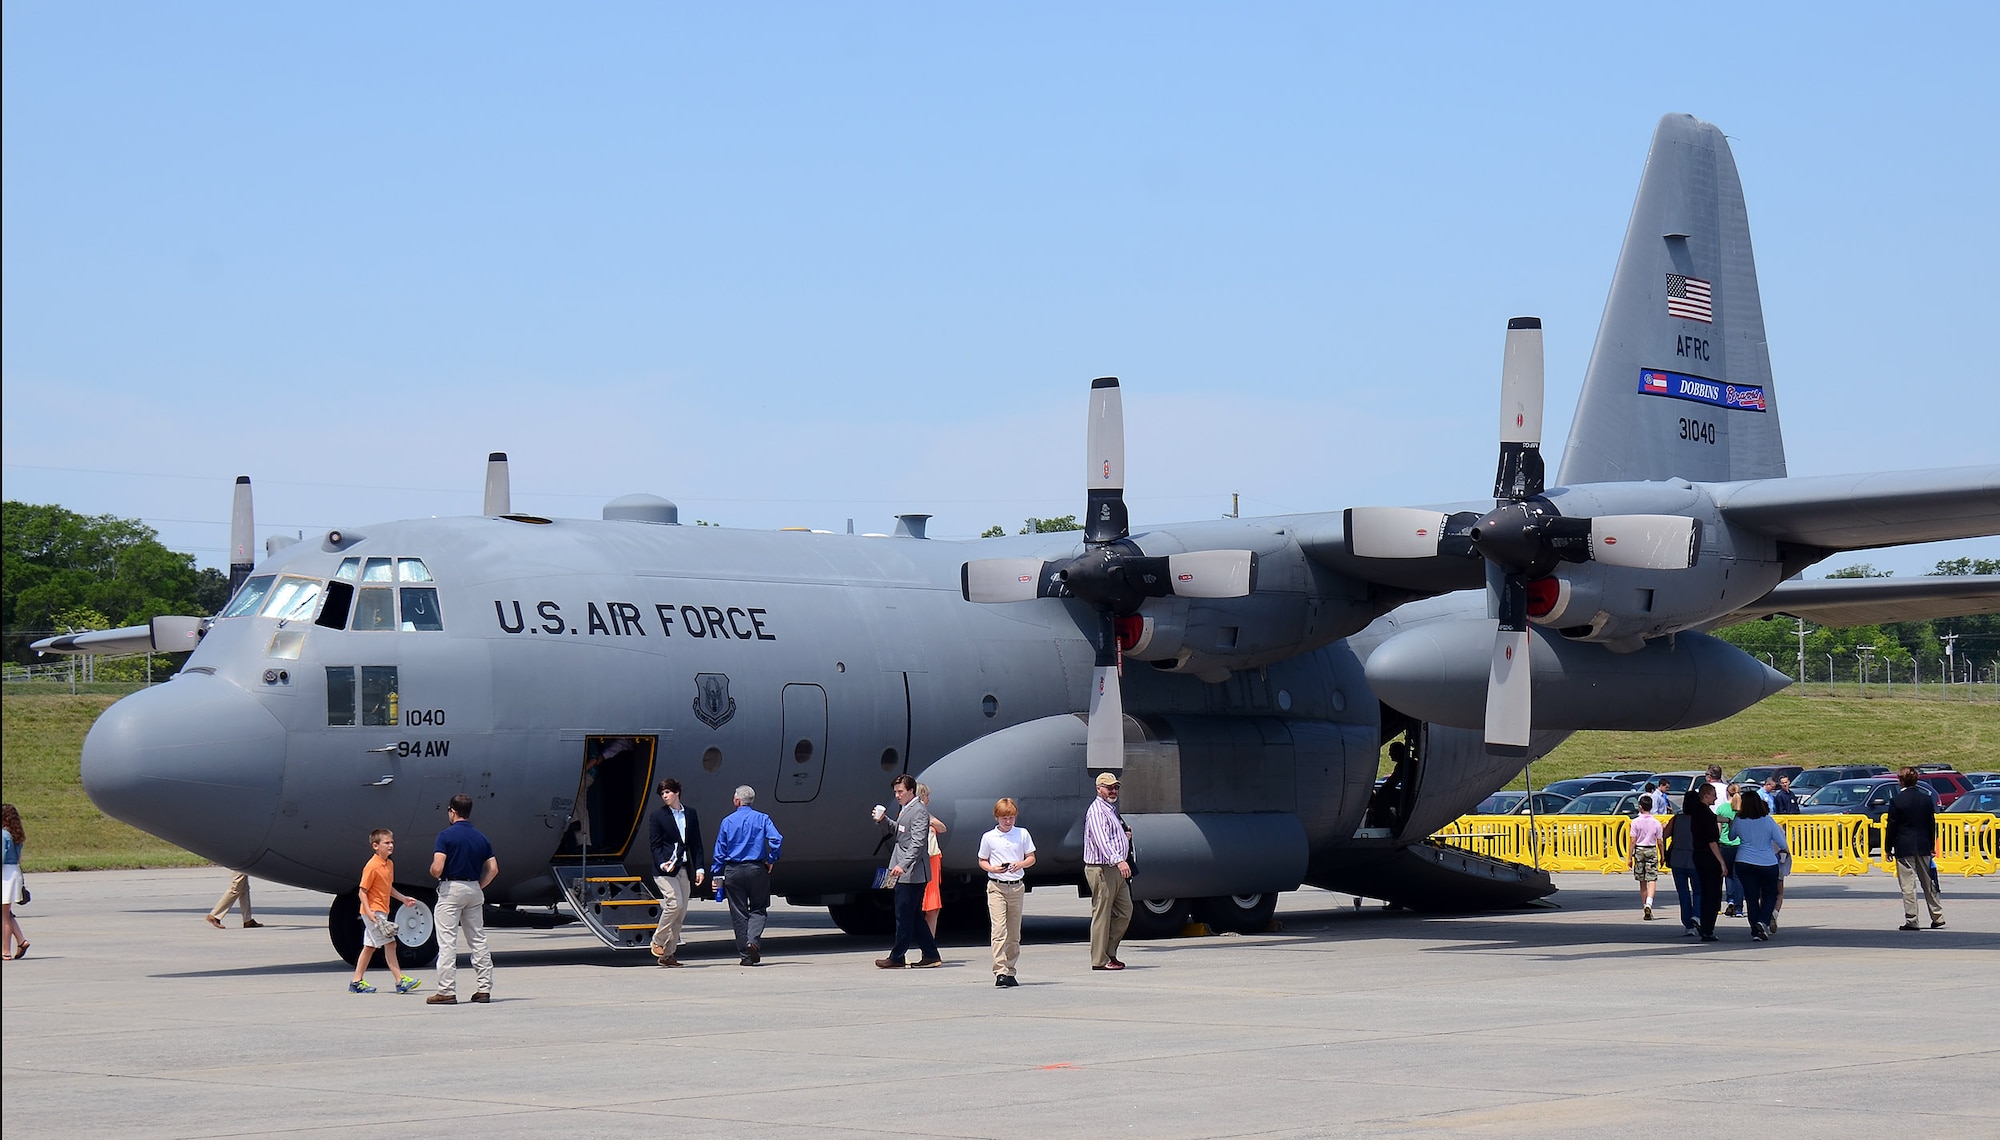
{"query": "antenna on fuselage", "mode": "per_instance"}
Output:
(242, 536)
(499, 498)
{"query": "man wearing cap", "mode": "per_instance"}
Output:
(1107, 847)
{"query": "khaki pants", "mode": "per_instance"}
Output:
(1913, 871)
(461, 903)
(237, 894)
(674, 890)
(1003, 906)
(1110, 910)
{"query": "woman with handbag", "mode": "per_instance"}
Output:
(13, 888)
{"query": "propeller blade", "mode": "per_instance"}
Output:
(1520, 473)
(1393, 532)
(1104, 483)
(499, 498)
(1509, 692)
(1001, 579)
(1646, 542)
(1104, 744)
(1212, 573)
(242, 536)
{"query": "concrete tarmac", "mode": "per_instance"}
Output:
(130, 1016)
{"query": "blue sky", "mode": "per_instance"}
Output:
(800, 264)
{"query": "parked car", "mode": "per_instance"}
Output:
(1573, 788)
(1813, 779)
(1947, 784)
(1981, 778)
(1869, 797)
(1633, 778)
(1604, 803)
(1978, 801)
(1678, 782)
(1762, 772)
(1516, 803)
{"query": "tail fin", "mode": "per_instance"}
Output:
(1680, 380)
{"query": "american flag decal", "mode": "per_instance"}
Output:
(1688, 298)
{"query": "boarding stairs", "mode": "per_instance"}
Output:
(619, 907)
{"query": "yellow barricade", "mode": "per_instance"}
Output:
(1585, 842)
(1494, 836)
(1827, 844)
(1966, 844)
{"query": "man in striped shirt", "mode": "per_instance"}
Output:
(1107, 845)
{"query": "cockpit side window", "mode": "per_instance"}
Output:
(340, 694)
(378, 570)
(375, 607)
(350, 569)
(246, 600)
(339, 597)
(420, 608)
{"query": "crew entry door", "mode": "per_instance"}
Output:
(802, 744)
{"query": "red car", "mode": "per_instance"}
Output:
(1948, 786)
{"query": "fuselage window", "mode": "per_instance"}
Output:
(412, 570)
(339, 597)
(378, 570)
(246, 599)
(350, 569)
(292, 598)
(375, 608)
(378, 694)
(340, 694)
(420, 608)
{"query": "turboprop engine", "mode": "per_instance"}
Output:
(1437, 672)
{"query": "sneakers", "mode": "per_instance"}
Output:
(1648, 913)
(1689, 932)
(1758, 934)
(365, 988)
(407, 984)
(441, 999)
(1937, 924)
(1734, 912)
(1113, 964)
(1005, 981)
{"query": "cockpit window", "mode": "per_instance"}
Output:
(375, 607)
(293, 598)
(378, 570)
(246, 599)
(350, 569)
(412, 570)
(420, 608)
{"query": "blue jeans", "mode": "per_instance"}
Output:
(1689, 889)
(910, 924)
(1760, 890)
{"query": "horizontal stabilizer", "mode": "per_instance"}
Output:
(1857, 512)
(1871, 601)
(161, 635)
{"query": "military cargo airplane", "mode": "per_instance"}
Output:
(1243, 674)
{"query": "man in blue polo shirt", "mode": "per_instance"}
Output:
(464, 867)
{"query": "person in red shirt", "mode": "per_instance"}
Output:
(378, 886)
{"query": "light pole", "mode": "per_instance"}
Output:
(1829, 674)
(1802, 649)
(1861, 657)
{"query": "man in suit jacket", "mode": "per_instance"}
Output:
(678, 861)
(909, 870)
(1909, 833)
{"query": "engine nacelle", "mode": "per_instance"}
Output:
(1438, 672)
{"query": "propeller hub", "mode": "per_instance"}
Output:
(1514, 538)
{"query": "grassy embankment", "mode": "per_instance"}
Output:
(44, 731)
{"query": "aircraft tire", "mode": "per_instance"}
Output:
(1237, 914)
(868, 916)
(418, 957)
(1157, 918)
(343, 925)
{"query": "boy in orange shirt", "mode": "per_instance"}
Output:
(377, 888)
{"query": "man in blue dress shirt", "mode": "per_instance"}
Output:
(746, 852)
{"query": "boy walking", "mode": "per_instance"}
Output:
(378, 886)
(1005, 854)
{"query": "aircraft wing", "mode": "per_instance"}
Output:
(1857, 512)
(161, 635)
(1872, 601)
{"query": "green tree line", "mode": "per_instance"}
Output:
(64, 572)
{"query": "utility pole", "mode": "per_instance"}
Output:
(1949, 640)
(1861, 658)
(1802, 649)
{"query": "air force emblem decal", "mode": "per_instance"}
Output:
(712, 702)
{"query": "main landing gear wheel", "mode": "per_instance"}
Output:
(1157, 918)
(1238, 914)
(343, 927)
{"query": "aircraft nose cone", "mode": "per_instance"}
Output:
(197, 762)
